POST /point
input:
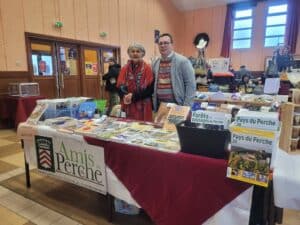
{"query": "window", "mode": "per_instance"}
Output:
(242, 29)
(275, 25)
(42, 59)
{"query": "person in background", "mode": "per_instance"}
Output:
(135, 84)
(111, 83)
(243, 72)
(174, 76)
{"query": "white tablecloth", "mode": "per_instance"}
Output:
(286, 180)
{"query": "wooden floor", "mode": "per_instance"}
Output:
(50, 201)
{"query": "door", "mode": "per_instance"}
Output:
(91, 72)
(68, 73)
(55, 67)
(43, 67)
(65, 67)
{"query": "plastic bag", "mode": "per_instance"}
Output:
(125, 208)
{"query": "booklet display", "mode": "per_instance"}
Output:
(249, 166)
(176, 115)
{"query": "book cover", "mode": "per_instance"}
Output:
(176, 115)
(37, 113)
(162, 113)
(249, 166)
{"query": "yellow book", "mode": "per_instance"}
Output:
(176, 115)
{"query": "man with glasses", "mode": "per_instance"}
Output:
(174, 76)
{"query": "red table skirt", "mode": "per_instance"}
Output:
(174, 189)
(17, 108)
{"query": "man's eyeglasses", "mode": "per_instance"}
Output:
(164, 43)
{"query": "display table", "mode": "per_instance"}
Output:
(173, 188)
(17, 109)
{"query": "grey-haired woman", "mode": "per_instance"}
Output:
(135, 83)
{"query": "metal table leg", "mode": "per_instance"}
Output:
(27, 171)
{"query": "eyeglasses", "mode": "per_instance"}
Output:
(164, 43)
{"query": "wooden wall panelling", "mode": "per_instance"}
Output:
(93, 20)
(130, 22)
(33, 16)
(72, 86)
(114, 27)
(47, 89)
(161, 14)
(11, 77)
(148, 35)
(13, 32)
(104, 21)
(92, 87)
(197, 28)
(80, 20)
(122, 12)
(206, 23)
(67, 17)
(217, 30)
(189, 35)
(139, 22)
(2, 43)
(51, 14)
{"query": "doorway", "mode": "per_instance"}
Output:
(67, 68)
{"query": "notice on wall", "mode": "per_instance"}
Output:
(71, 159)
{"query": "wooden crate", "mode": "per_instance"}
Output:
(288, 141)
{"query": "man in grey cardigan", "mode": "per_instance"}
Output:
(174, 76)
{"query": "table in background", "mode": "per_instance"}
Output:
(17, 109)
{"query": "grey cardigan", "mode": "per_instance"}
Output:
(182, 78)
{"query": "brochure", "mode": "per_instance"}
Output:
(37, 113)
(176, 115)
(249, 166)
(162, 113)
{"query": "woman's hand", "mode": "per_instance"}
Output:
(127, 99)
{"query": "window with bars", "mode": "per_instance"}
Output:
(275, 25)
(242, 28)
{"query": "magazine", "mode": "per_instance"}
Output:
(249, 166)
(176, 115)
(37, 113)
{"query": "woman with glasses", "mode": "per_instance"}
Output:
(135, 84)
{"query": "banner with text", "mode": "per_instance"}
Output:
(71, 159)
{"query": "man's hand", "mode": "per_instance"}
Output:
(127, 99)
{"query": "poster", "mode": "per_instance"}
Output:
(219, 65)
(91, 68)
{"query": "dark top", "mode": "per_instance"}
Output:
(111, 78)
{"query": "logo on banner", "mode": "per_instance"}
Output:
(44, 153)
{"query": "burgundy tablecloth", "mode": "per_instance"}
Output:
(174, 189)
(17, 108)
